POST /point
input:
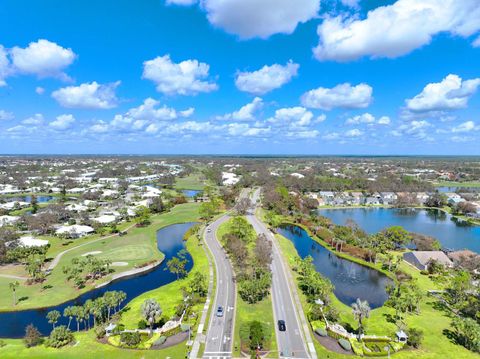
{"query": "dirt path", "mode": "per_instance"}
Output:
(13, 276)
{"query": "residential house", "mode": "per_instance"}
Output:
(422, 259)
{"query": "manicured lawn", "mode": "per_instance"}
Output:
(137, 247)
(261, 311)
(457, 184)
(170, 295)
(433, 322)
(194, 181)
(87, 347)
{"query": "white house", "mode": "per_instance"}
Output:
(75, 231)
(229, 179)
(29, 241)
(12, 205)
(421, 259)
(7, 220)
(105, 219)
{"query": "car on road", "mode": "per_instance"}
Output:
(220, 311)
(281, 326)
(209, 230)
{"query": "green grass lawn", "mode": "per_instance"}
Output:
(433, 322)
(86, 347)
(475, 184)
(261, 311)
(245, 312)
(194, 181)
(137, 247)
(169, 295)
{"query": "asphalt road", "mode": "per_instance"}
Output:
(219, 339)
(291, 343)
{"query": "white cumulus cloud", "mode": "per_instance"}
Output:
(340, 96)
(354, 133)
(245, 113)
(396, 29)
(4, 66)
(188, 77)
(6, 116)
(62, 122)
(254, 18)
(150, 110)
(42, 58)
(467, 126)
(88, 96)
(451, 93)
(34, 120)
(267, 78)
(296, 116)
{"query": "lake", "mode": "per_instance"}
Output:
(191, 192)
(169, 242)
(40, 199)
(450, 232)
(351, 280)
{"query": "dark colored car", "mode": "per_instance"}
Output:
(281, 325)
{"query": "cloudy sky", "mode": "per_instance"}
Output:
(240, 76)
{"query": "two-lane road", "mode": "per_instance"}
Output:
(219, 338)
(291, 343)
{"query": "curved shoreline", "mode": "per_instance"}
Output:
(116, 277)
(131, 273)
(122, 275)
(341, 254)
(471, 221)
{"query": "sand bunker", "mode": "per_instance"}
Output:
(119, 264)
(91, 253)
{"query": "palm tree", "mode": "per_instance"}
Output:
(361, 311)
(97, 310)
(53, 317)
(120, 297)
(88, 307)
(110, 302)
(13, 287)
(69, 312)
(76, 312)
(151, 311)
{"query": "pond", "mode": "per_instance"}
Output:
(444, 189)
(351, 280)
(28, 198)
(169, 241)
(191, 192)
(452, 233)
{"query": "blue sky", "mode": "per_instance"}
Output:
(240, 77)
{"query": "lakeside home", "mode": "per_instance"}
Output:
(422, 259)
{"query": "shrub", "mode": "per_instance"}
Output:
(32, 336)
(322, 332)
(130, 339)
(142, 324)
(415, 337)
(345, 344)
(2, 343)
(59, 337)
(185, 327)
(100, 331)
